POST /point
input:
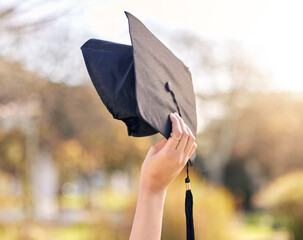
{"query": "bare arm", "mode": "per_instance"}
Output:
(163, 163)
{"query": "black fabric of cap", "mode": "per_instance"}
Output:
(143, 83)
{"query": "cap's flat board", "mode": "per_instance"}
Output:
(155, 65)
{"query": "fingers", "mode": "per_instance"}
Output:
(181, 131)
(193, 148)
(190, 142)
(185, 134)
(176, 133)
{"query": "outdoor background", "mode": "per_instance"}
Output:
(68, 170)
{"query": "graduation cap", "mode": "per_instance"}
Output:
(141, 85)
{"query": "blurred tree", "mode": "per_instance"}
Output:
(229, 74)
(248, 136)
(35, 30)
(73, 113)
(16, 17)
(71, 123)
(239, 182)
(267, 141)
(270, 133)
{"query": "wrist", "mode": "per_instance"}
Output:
(151, 198)
(151, 190)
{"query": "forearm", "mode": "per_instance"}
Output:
(147, 222)
(163, 162)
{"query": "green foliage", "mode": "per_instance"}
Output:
(12, 152)
(285, 196)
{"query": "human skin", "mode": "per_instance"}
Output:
(163, 163)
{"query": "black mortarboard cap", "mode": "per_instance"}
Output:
(143, 83)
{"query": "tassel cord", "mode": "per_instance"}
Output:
(190, 233)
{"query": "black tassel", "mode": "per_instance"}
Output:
(190, 232)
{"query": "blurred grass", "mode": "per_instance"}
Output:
(30, 231)
(108, 199)
(259, 233)
(72, 201)
(259, 225)
(214, 219)
(34, 231)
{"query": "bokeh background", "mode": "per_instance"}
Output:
(68, 170)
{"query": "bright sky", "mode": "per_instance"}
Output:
(275, 26)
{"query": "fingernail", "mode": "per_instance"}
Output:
(176, 113)
(171, 114)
